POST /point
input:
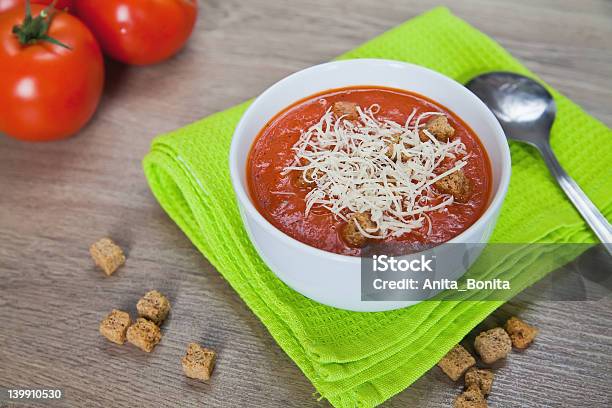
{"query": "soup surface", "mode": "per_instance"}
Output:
(355, 166)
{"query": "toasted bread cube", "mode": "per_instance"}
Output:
(456, 362)
(345, 110)
(305, 179)
(521, 334)
(470, 398)
(456, 184)
(199, 362)
(493, 345)
(115, 325)
(107, 255)
(153, 306)
(144, 334)
(439, 128)
(480, 378)
(351, 234)
(391, 143)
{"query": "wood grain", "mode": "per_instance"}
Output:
(56, 199)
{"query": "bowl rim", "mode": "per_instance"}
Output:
(244, 198)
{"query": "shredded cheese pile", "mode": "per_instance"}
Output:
(351, 171)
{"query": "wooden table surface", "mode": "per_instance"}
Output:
(57, 198)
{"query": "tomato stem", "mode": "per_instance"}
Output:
(34, 29)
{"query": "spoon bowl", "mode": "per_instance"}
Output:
(524, 108)
(526, 112)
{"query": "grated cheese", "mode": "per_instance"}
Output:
(352, 171)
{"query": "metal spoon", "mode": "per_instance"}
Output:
(526, 112)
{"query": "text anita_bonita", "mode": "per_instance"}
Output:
(440, 284)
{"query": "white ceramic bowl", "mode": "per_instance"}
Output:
(329, 278)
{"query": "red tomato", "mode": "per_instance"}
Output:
(139, 31)
(60, 4)
(47, 91)
(9, 4)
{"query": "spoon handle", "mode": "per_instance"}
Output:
(583, 204)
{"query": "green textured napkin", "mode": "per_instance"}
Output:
(362, 359)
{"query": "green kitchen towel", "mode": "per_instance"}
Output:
(362, 359)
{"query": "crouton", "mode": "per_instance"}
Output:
(456, 362)
(390, 148)
(390, 145)
(470, 398)
(480, 378)
(439, 128)
(493, 345)
(115, 325)
(199, 362)
(351, 234)
(144, 334)
(304, 179)
(521, 334)
(153, 306)
(456, 184)
(346, 110)
(107, 255)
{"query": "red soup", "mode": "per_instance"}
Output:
(355, 166)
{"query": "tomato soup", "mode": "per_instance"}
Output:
(354, 166)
